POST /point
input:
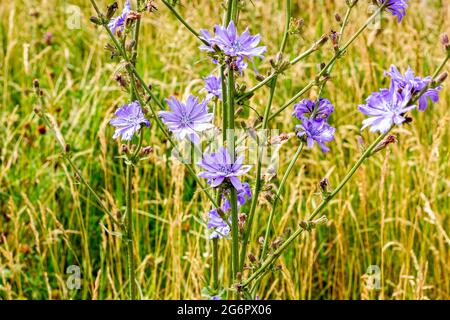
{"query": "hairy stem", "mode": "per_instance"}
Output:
(248, 228)
(277, 197)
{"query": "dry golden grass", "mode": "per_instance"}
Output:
(395, 212)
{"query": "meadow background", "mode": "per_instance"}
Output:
(395, 212)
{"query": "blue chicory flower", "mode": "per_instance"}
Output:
(119, 21)
(187, 119)
(238, 47)
(243, 196)
(221, 228)
(396, 8)
(416, 85)
(386, 108)
(219, 167)
(213, 86)
(323, 107)
(315, 130)
(128, 121)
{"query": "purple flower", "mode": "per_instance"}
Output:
(215, 221)
(386, 108)
(243, 196)
(128, 121)
(221, 228)
(306, 107)
(119, 21)
(397, 8)
(233, 45)
(219, 168)
(213, 86)
(416, 85)
(215, 298)
(318, 131)
(187, 119)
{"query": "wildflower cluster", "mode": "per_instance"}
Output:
(389, 106)
(235, 48)
(314, 127)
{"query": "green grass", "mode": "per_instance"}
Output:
(395, 212)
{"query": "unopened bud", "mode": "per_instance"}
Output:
(251, 257)
(334, 36)
(95, 20)
(296, 26)
(441, 78)
(67, 148)
(111, 10)
(319, 43)
(390, 139)
(277, 243)
(146, 150)
(238, 276)
(124, 148)
(260, 77)
(323, 184)
(338, 18)
(36, 83)
(130, 45)
(445, 41)
(261, 240)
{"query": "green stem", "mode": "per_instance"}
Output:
(234, 232)
(131, 265)
(130, 240)
(215, 263)
(265, 265)
(233, 196)
(277, 197)
(224, 105)
(260, 150)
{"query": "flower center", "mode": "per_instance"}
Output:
(185, 120)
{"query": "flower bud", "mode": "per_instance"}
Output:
(260, 77)
(95, 20)
(441, 78)
(261, 240)
(445, 41)
(296, 26)
(390, 139)
(146, 150)
(323, 184)
(251, 257)
(36, 83)
(338, 18)
(111, 9)
(334, 36)
(124, 148)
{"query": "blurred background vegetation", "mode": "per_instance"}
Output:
(394, 214)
